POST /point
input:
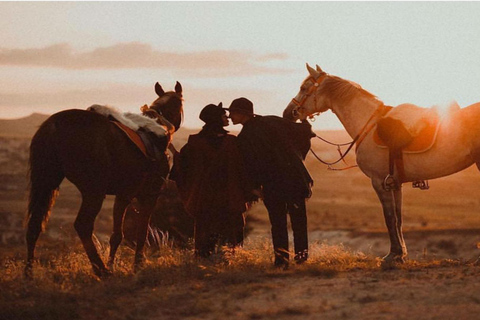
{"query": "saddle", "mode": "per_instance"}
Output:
(147, 135)
(146, 142)
(403, 131)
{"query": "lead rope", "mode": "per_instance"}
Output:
(359, 138)
(342, 156)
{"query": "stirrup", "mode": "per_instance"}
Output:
(421, 184)
(390, 183)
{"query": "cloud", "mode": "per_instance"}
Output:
(134, 55)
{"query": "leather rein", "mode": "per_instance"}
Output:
(369, 125)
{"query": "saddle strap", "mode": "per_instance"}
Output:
(133, 136)
(395, 159)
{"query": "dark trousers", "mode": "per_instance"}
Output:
(210, 232)
(278, 207)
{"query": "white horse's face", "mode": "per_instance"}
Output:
(308, 100)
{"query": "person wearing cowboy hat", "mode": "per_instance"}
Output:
(211, 179)
(273, 150)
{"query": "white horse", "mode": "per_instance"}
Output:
(457, 144)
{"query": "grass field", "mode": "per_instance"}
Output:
(342, 280)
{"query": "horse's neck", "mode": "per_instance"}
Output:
(355, 115)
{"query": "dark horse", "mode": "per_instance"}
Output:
(99, 159)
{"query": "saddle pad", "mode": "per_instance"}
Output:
(133, 136)
(421, 143)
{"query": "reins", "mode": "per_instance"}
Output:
(342, 156)
(357, 140)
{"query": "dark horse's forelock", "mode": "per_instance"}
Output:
(170, 105)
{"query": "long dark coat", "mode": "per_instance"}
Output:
(211, 178)
(274, 149)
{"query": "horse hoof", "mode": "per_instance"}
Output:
(392, 260)
(28, 272)
(102, 273)
(138, 266)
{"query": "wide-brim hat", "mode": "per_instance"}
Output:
(242, 105)
(212, 113)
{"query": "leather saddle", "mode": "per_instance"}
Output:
(390, 133)
(393, 134)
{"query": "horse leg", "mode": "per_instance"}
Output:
(84, 223)
(146, 205)
(392, 212)
(116, 238)
(477, 163)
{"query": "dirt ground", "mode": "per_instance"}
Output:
(442, 231)
(444, 292)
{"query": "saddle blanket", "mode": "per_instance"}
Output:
(131, 120)
(130, 124)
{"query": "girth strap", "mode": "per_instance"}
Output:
(133, 136)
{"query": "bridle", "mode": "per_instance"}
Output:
(159, 117)
(358, 138)
(311, 90)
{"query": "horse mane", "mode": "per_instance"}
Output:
(344, 91)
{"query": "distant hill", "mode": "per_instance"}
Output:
(27, 126)
(22, 127)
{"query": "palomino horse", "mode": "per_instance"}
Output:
(99, 159)
(457, 144)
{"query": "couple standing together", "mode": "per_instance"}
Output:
(219, 175)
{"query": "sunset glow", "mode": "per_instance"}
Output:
(60, 55)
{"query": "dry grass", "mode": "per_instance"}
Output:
(342, 280)
(174, 284)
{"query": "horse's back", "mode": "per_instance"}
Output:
(75, 133)
(75, 120)
(92, 151)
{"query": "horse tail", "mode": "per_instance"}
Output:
(45, 175)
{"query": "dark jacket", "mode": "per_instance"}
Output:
(273, 150)
(211, 179)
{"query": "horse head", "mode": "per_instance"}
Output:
(308, 100)
(169, 104)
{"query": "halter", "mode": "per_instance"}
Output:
(146, 110)
(310, 91)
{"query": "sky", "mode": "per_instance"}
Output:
(62, 55)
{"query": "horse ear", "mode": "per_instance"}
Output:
(178, 88)
(220, 104)
(313, 72)
(159, 90)
(318, 68)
